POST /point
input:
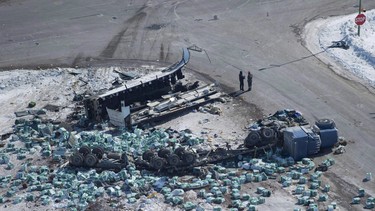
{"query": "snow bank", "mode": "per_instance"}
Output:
(359, 59)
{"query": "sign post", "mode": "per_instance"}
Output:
(359, 12)
(361, 18)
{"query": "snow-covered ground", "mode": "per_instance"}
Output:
(359, 59)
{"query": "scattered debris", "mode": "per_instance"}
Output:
(339, 44)
(31, 104)
(53, 108)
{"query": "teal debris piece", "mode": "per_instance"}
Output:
(176, 200)
(249, 177)
(287, 183)
(369, 205)
(314, 193)
(254, 201)
(245, 197)
(166, 190)
(132, 200)
(334, 204)
(300, 189)
(266, 193)
(261, 200)
(251, 207)
(326, 188)
(330, 208)
(202, 193)
(260, 190)
(356, 200)
(280, 169)
(223, 189)
(178, 192)
(218, 200)
(17, 200)
(312, 207)
(21, 156)
(4, 159)
(361, 192)
(10, 193)
(1, 200)
(216, 209)
(236, 203)
(189, 206)
(314, 185)
(236, 196)
(307, 193)
(45, 199)
(9, 166)
(301, 200)
(227, 182)
(302, 180)
(323, 197)
(371, 199)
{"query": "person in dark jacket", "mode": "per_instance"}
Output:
(249, 80)
(241, 78)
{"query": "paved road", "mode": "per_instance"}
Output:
(263, 36)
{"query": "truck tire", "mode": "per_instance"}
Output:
(268, 133)
(163, 153)
(179, 151)
(76, 159)
(147, 155)
(189, 158)
(85, 150)
(325, 124)
(91, 160)
(157, 163)
(252, 139)
(173, 160)
(98, 151)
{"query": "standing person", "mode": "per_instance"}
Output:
(241, 77)
(249, 80)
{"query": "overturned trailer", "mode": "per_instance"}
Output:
(286, 129)
(151, 86)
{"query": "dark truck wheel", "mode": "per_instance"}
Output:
(98, 151)
(157, 163)
(325, 124)
(91, 160)
(85, 150)
(179, 151)
(76, 159)
(147, 155)
(173, 160)
(163, 153)
(252, 139)
(268, 133)
(189, 158)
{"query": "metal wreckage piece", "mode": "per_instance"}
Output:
(150, 87)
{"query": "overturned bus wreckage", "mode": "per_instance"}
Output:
(149, 87)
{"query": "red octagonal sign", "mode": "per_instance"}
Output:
(360, 19)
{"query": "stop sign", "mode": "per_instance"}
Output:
(360, 19)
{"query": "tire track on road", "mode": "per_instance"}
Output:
(112, 46)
